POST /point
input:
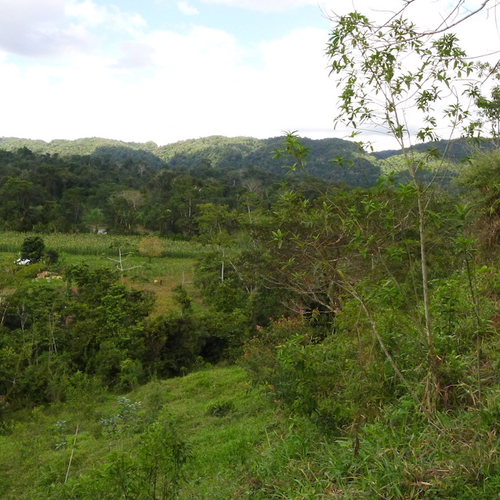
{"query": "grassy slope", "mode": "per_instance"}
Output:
(255, 451)
(221, 446)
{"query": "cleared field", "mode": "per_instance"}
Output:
(98, 244)
(157, 274)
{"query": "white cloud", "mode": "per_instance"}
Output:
(201, 48)
(37, 28)
(198, 86)
(87, 12)
(134, 55)
(126, 22)
(203, 88)
(54, 28)
(297, 88)
(187, 9)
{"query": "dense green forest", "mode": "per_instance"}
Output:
(121, 188)
(95, 184)
(230, 155)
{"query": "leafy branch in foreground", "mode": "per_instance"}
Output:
(393, 78)
(293, 148)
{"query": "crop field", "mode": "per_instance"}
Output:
(156, 274)
(97, 244)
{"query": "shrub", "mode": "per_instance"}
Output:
(51, 256)
(221, 408)
(32, 248)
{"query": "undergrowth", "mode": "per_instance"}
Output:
(209, 435)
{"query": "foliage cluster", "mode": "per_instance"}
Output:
(93, 323)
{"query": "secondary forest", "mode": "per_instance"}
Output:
(278, 319)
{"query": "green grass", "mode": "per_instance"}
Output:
(244, 447)
(222, 447)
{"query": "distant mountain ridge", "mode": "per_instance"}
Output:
(219, 152)
(234, 153)
(95, 146)
(455, 150)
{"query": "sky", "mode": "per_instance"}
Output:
(168, 70)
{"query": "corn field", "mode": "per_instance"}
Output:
(97, 244)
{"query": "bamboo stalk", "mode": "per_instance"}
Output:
(72, 453)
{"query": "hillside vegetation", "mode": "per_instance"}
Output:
(290, 362)
(216, 152)
(94, 184)
(264, 319)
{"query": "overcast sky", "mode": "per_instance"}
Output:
(168, 70)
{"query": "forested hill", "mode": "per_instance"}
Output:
(455, 150)
(218, 152)
(108, 149)
(229, 153)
